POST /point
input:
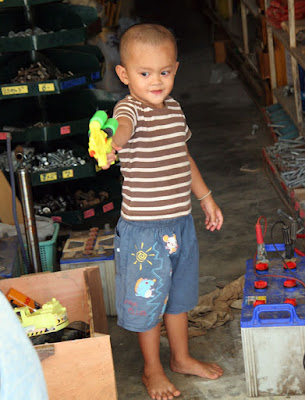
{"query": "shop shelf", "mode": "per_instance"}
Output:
(47, 251)
(63, 24)
(60, 116)
(107, 181)
(19, 3)
(85, 67)
(63, 174)
(88, 49)
(77, 217)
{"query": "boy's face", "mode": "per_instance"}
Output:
(149, 72)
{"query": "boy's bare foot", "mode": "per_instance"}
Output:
(158, 385)
(192, 366)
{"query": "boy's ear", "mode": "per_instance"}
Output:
(122, 74)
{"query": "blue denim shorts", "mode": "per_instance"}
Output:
(156, 270)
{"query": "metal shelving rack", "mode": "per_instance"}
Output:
(19, 101)
(22, 50)
(293, 106)
(244, 59)
(256, 12)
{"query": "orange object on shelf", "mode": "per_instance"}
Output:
(19, 299)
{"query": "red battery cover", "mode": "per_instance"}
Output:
(261, 266)
(291, 301)
(290, 265)
(260, 284)
(259, 302)
(290, 283)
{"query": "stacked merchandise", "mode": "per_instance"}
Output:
(277, 12)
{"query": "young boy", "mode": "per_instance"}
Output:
(156, 247)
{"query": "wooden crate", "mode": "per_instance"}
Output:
(263, 63)
(79, 369)
(220, 52)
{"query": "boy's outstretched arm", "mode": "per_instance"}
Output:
(213, 214)
(121, 137)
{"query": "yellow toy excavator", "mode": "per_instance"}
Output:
(50, 318)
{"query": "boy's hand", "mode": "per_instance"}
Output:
(111, 157)
(213, 214)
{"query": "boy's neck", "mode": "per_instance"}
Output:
(148, 105)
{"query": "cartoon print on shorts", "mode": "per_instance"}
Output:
(171, 243)
(144, 286)
(142, 255)
(163, 308)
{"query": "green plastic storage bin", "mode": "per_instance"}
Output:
(47, 250)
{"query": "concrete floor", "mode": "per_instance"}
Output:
(221, 118)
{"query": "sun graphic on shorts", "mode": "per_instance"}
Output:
(142, 255)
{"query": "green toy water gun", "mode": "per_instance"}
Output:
(101, 131)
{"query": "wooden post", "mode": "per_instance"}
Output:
(230, 9)
(271, 55)
(294, 63)
(244, 27)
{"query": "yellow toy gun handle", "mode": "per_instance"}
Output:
(101, 129)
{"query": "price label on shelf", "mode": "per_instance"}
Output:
(108, 207)
(46, 87)
(10, 90)
(56, 219)
(50, 176)
(89, 213)
(65, 130)
(68, 173)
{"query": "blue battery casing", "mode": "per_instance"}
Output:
(275, 312)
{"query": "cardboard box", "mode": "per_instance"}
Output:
(79, 369)
(263, 63)
(101, 255)
(220, 52)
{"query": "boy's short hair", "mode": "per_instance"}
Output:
(152, 34)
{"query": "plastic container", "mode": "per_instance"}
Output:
(85, 67)
(65, 115)
(63, 174)
(62, 24)
(78, 217)
(17, 3)
(277, 115)
(273, 333)
(47, 250)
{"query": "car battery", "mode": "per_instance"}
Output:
(94, 248)
(273, 329)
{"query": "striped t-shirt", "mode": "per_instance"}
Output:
(154, 162)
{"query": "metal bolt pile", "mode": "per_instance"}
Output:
(61, 158)
(28, 32)
(50, 203)
(39, 72)
(43, 162)
(289, 157)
